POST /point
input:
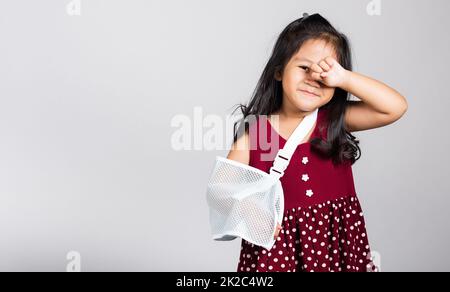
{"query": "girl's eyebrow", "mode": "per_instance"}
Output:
(303, 59)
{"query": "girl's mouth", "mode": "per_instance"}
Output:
(309, 93)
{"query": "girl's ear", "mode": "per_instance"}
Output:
(278, 76)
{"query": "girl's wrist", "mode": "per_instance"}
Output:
(346, 78)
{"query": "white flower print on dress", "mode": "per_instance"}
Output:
(305, 160)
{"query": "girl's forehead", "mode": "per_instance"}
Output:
(314, 51)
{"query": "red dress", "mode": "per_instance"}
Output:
(323, 227)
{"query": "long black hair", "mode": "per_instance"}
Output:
(267, 98)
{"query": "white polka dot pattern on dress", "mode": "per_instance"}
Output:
(319, 238)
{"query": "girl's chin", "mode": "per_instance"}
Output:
(307, 105)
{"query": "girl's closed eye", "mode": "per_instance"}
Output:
(305, 68)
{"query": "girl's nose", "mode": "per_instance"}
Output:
(312, 82)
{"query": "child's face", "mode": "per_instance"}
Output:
(297, 80)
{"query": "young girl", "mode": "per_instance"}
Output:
(323, 227)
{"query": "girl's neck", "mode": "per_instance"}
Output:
(291, 115)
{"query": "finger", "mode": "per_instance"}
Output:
(277, 231)
(316, 68)
(330, 61)
(324, 65)
(324, 74)
(316, 76)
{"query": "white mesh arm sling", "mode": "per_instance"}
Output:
(247, 202)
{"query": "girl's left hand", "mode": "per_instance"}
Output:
(329, 72)
(277, 231)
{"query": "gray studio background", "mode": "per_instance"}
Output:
(86, 103)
